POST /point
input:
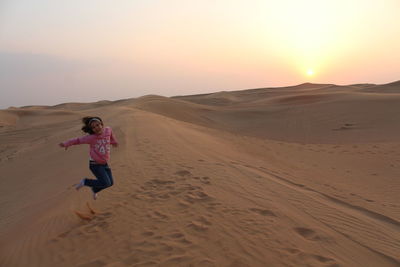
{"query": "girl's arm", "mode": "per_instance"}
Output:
(113, 141)
(77, 141)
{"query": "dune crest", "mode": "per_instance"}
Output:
(304, 175)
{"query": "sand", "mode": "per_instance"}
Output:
(296, 176)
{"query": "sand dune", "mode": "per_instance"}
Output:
(306, 175)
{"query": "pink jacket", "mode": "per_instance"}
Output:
(99, 144)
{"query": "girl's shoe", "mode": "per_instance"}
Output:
(94, 196)
(80, 185)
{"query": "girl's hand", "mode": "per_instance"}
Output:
(62, 145)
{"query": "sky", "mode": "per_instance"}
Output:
(57, 51)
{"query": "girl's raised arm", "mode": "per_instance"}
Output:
(77, 141)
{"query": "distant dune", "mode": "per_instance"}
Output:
(305, 175)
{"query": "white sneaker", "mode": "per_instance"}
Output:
(80, 185)
(94, 196)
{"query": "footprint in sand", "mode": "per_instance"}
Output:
(93, 263)
(318, 259)
(158, 216)
(148, 233)
(176, 235)
(307, 233)
(160, 182)
(308, 257)
(203, 180)
(213, 206)
(195, 196)
(292, 250)
(87, 216)
(199, 225)
(64, 234)
(263, 212)
(180, 237)
(183, 173)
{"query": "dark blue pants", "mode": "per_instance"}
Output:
(103, 175)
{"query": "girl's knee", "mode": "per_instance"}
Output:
(109, 183)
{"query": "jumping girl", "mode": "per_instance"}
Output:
(99, 138)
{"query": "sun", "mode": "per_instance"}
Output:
(310, 72)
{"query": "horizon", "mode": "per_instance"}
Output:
(199, 94)
(52, 53)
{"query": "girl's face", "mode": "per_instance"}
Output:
(97, 127)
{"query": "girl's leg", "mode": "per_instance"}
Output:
(80, 185)
(109, 173)
(103, 181)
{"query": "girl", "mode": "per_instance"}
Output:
(99, 138)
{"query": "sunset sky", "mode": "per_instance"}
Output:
(54, 51)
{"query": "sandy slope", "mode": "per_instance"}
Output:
(297, 176)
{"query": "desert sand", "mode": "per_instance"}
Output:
(306, 175)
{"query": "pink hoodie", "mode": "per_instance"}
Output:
(99, 144)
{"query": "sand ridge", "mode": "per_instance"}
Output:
(298, 176)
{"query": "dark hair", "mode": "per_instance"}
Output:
(86, 121)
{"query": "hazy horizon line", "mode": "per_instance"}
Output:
(200, 94)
